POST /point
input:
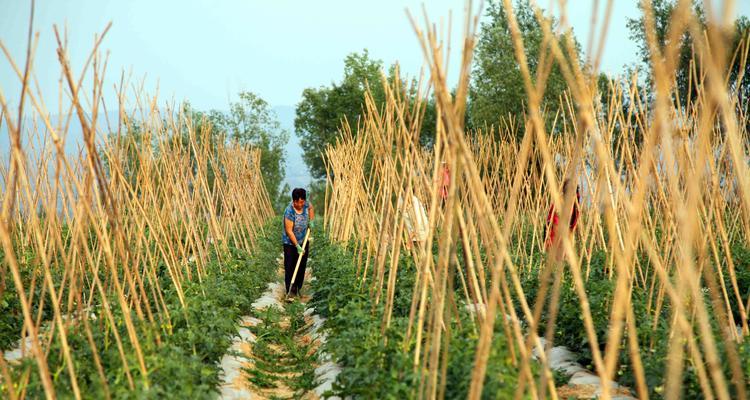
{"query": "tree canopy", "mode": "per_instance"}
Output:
(497, 88)
(251, 121)
(321, 110)
(686, 87)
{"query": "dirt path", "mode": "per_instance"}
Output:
(275, 355)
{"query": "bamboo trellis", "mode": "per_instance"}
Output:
(663, 182)
(147, 191)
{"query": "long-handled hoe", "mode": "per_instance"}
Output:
(299, 260)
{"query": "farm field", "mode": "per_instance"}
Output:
(148, 261)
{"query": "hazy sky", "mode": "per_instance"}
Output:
(207, 51)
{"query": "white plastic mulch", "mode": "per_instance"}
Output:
(234, 386)
(561, 358)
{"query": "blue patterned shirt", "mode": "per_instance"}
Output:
(300, 223)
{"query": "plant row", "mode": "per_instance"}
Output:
(379, 363)
(183, 363)
(652, 327)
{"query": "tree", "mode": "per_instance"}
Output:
(125, 150)
(742, 88)
(620, 104)
(662, 12)
(497, 88)
(686, 87)
(321, 111)
(251, 121)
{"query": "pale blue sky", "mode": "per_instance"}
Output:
(207, 51)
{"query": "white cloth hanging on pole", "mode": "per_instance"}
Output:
(415, 219)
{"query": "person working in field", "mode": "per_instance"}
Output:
(553, 217)
(298, 217)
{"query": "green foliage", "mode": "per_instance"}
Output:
(662, 13)
(741, 259)
(185, 365)
(497, 86)
(621, 112)
(11, 315)
(501, 377)
(283, 199)
(600, 291)
(128, 146)
(653, 337)
(569, 324)
(371, 367)
(316, 195)
(333, 287)
(321, 111)
(250, 121)
(279, 354)
(11, 319)
(379, 364)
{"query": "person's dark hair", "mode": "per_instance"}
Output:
(298, 194)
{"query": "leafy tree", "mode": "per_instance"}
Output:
(687, 90)
(497, 89)
(741, 32)
(316, 196)
(321, 111)
(621, 101)
(204, 129)
(250, 121)
(126, 149)
(662, 12)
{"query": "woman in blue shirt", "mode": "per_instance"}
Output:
(298, 216)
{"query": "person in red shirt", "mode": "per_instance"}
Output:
(553, 217)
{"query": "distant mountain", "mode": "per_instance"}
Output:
(73, 137)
